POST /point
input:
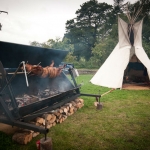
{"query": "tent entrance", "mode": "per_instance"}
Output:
(135, 75)
(135, 72)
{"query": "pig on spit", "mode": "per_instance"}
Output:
(43, 72)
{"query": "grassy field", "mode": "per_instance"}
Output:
(122, 124)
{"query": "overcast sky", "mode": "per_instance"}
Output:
(37, 20)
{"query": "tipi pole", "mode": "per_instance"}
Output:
(107, 92)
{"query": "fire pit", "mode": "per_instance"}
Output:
(27, 91)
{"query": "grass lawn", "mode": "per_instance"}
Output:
(122, 124)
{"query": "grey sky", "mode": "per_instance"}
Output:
(37, 20)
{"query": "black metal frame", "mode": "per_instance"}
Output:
(21, 116)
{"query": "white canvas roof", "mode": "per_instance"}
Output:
(111, 72)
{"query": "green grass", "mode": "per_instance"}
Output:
(122, 124)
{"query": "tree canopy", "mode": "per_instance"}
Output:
(92, 23)
(55, 44)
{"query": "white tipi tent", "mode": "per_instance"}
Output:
(111, 72)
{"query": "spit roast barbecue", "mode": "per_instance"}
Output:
(33, 88)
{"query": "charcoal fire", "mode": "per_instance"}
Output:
(26, 99)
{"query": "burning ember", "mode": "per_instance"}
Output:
(26, 99)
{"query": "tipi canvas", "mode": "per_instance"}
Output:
(111, 73)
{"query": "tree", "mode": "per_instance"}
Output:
(118, 2)
(35, 43)
(102, 50)
(118, 5)
(146, 6)
(55, 44)
(92, 23)
(146, 34)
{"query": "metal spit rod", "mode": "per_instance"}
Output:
(25, 73)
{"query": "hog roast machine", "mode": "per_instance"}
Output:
(25, 91)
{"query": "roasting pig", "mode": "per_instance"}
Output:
(43, 72)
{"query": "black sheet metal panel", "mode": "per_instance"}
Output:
(12, 54)
(47, 105)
